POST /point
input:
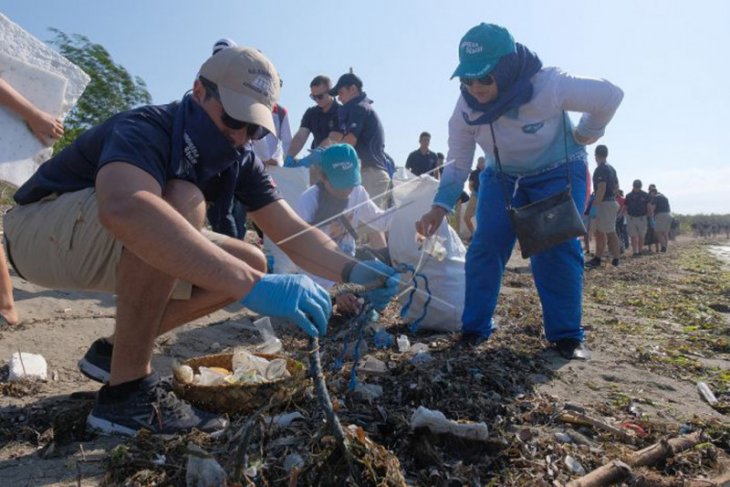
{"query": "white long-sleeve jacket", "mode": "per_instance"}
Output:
(530, 139)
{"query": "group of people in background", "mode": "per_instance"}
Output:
(623, 221)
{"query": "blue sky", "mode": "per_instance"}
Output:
(665, 55)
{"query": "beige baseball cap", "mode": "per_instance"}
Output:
(247, 82)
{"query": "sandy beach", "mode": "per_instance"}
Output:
(656, 325)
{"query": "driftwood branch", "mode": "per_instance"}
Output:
(574, 417)
(611, 473)
(617, 471)
(320, 386)
(664, 449)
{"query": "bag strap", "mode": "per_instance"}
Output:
(507, 200)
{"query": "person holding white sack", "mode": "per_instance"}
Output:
(514, 109)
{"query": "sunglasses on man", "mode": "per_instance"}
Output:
(485, 80)
(317, 97)
(253, 131)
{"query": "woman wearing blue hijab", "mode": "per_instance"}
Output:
(509, 100)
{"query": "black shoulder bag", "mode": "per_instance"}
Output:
(547, 222)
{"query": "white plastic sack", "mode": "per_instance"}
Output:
(291, 183)
(446, 278)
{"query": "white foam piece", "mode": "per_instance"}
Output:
(21, 153)
(27, 366)
(48, 80)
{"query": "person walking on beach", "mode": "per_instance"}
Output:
(422, 160)
(122, 210)
(659, 207)
(605, 184)
(621, 232)
(508, 100)
(47, 130)
(637, 210)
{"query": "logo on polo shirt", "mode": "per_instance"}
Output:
(532, 128)
(470, 47)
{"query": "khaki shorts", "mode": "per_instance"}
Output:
(606, 217)
(662, 222)
(59, 243)
(636, 226)
(377, 183)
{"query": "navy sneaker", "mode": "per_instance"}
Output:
(96, 364)
(147, 403)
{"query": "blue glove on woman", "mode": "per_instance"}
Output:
(369, 271)
(293, 296)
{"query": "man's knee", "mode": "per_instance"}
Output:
(187, 199)
(248, 253)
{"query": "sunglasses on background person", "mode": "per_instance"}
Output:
(486, 80)
(253, 131)
(318, 97)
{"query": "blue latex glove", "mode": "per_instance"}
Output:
(366, 272)
(293, 296)
(290, 161)
(593, 213)
(314, 157)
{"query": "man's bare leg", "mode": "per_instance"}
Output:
(7, 304)
(143, 293)
(613, 245)
(600, 244)
(203, 302)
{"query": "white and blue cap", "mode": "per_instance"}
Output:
(481, 48)
(341, 166)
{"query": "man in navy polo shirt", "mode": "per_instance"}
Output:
(319, 120)
(361, 128)
(122, 210)
(422, 160)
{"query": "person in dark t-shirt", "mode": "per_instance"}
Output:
(637, 209)
(122, 210)
(319, 120)
(659, 207)
(422, 160)
(605, 184)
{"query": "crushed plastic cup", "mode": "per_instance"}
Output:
(208, 377)
(276, 370)
(404, 344)
(434, 246)
(245, 360)
(271, 343)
